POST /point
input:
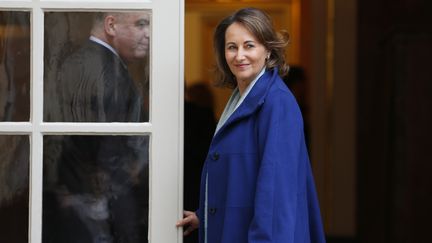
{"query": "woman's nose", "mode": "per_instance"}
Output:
(240, 54)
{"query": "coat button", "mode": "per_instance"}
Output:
(215, 156)
(212, 210)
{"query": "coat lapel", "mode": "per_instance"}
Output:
(253, 101)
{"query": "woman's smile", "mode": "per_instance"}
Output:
(244, 54)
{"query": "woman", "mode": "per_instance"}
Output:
(256, 184)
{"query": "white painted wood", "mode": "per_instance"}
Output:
(97, 128)
(36, 141)
(167, 87)
(99, 1)
(15, 128)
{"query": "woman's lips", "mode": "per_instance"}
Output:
(241, 66)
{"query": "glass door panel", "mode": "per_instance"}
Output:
(96, 66)
(95, 189)
(14, 188)
(14, 66)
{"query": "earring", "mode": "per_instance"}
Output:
(268, 56)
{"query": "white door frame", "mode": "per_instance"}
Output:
(166, 109)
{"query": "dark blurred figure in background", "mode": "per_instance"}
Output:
(296, 82)
(199, 126)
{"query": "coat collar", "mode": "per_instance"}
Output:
(253, 100)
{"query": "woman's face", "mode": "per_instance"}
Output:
(244, 55)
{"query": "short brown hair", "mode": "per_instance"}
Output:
(260, 25)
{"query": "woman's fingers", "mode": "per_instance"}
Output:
(191, 220)
(183, 222)
(188, 230)
(186, 220)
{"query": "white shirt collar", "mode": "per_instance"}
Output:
(101, 42)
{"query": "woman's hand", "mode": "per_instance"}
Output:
(190, 220)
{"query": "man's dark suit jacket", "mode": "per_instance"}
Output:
(93, 85)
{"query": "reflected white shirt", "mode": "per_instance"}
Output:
(103, 43)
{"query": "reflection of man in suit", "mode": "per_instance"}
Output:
(101, 191)
(93, 83)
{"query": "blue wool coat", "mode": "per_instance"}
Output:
(260, 185)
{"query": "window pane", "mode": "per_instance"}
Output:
(95, 189)
(14, 188)
(14, 66)
(102, 79)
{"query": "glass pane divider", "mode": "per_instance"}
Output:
(35, 197)
(36, 137)
(96, 128)
(15, 128)
(16, 5)
(64, 5)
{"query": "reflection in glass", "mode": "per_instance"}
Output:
(14, 66)
(14, 188)
(95, 189)
(96, 66)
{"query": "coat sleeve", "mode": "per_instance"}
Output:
(280, 137)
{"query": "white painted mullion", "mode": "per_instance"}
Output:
(14, 5)
(93, 5)
(13, 128)
(36, 138)
(96, 128)
(36, 175)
